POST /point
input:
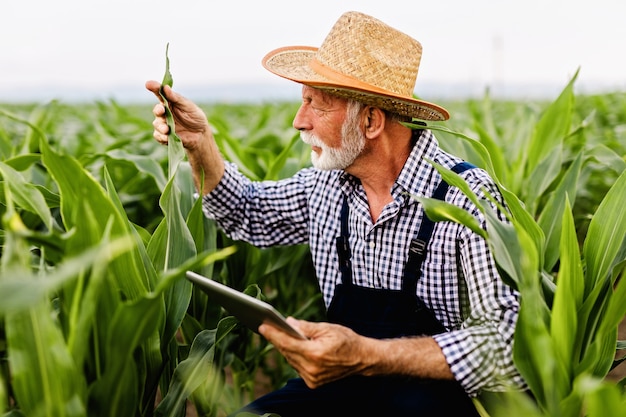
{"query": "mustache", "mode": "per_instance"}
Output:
(311, 139)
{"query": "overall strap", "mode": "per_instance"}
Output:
(418, 246)
(343, 246)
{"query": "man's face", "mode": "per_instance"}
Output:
(332, 127)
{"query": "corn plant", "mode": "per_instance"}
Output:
(89, 320)
(572, 300)
(99, 223)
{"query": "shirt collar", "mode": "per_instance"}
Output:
(414, 178)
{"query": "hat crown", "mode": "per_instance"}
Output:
(365, 49)
(361, 59)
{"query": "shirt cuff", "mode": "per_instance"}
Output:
(224, 198)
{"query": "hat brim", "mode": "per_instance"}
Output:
(294, 63)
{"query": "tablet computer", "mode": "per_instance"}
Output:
(250, 311)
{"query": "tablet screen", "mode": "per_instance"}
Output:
(250, 311)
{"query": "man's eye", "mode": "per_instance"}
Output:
(318, 111)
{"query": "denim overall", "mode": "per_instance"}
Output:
(377, 313)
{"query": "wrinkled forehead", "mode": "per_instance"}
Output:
(323, 96)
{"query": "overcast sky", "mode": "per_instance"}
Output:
(100, 45)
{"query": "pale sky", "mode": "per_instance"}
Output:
(103, 46)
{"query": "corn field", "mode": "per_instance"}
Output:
(100, 223)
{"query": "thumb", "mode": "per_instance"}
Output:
(169, 94)
(303, 326)
(154, 87)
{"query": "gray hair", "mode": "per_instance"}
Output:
(355, 107)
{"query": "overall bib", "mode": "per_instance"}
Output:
(377, 313)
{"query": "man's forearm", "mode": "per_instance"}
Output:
(207, 165)
(412, 356)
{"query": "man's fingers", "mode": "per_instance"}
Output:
(158, 110)
(161, 129)
(160, 126)
(162, 139)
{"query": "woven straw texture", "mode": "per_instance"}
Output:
(364, 59)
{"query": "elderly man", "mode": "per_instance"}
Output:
(418, 319)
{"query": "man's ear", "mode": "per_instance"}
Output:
(374, 121)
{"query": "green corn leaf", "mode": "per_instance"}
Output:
(45, 379)
(235, 152)
(606, 234)
(479, 149)
(141, 269)
(189, 374)
(197, 263)
(601, 351)
(523, 218)
(27, 291)
(167, 77)
(593, 342)
(567, 302)
(157, 246)
(607, 157)
(197, 375)
(514, 250)
(542, 177)
(516, 255)
(532, 346)
(552, 128)
(456, 180)
(616, 310)
(133, 323)
(602, 398)
(142, 163)
(51, 243)
(144, 264)
(601, 335)
(279, 162)
(203, 232)
(496, 151)
(26, 195)
(180, 246)
(97, 213)
(206, 396)
(550, 219)
(525, 221)
(30, 142)
(519, 211)
(23, 161)
(438, 210)
(77, 188)
(175, 149)
(532, 335)
(511, 404)
(4, 397)
(603, 307)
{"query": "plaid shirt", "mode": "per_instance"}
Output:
(459, 280)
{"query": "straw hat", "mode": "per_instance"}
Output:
(364, 59)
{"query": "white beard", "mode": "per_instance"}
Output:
(352, 144)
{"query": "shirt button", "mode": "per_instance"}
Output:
(372, 245)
